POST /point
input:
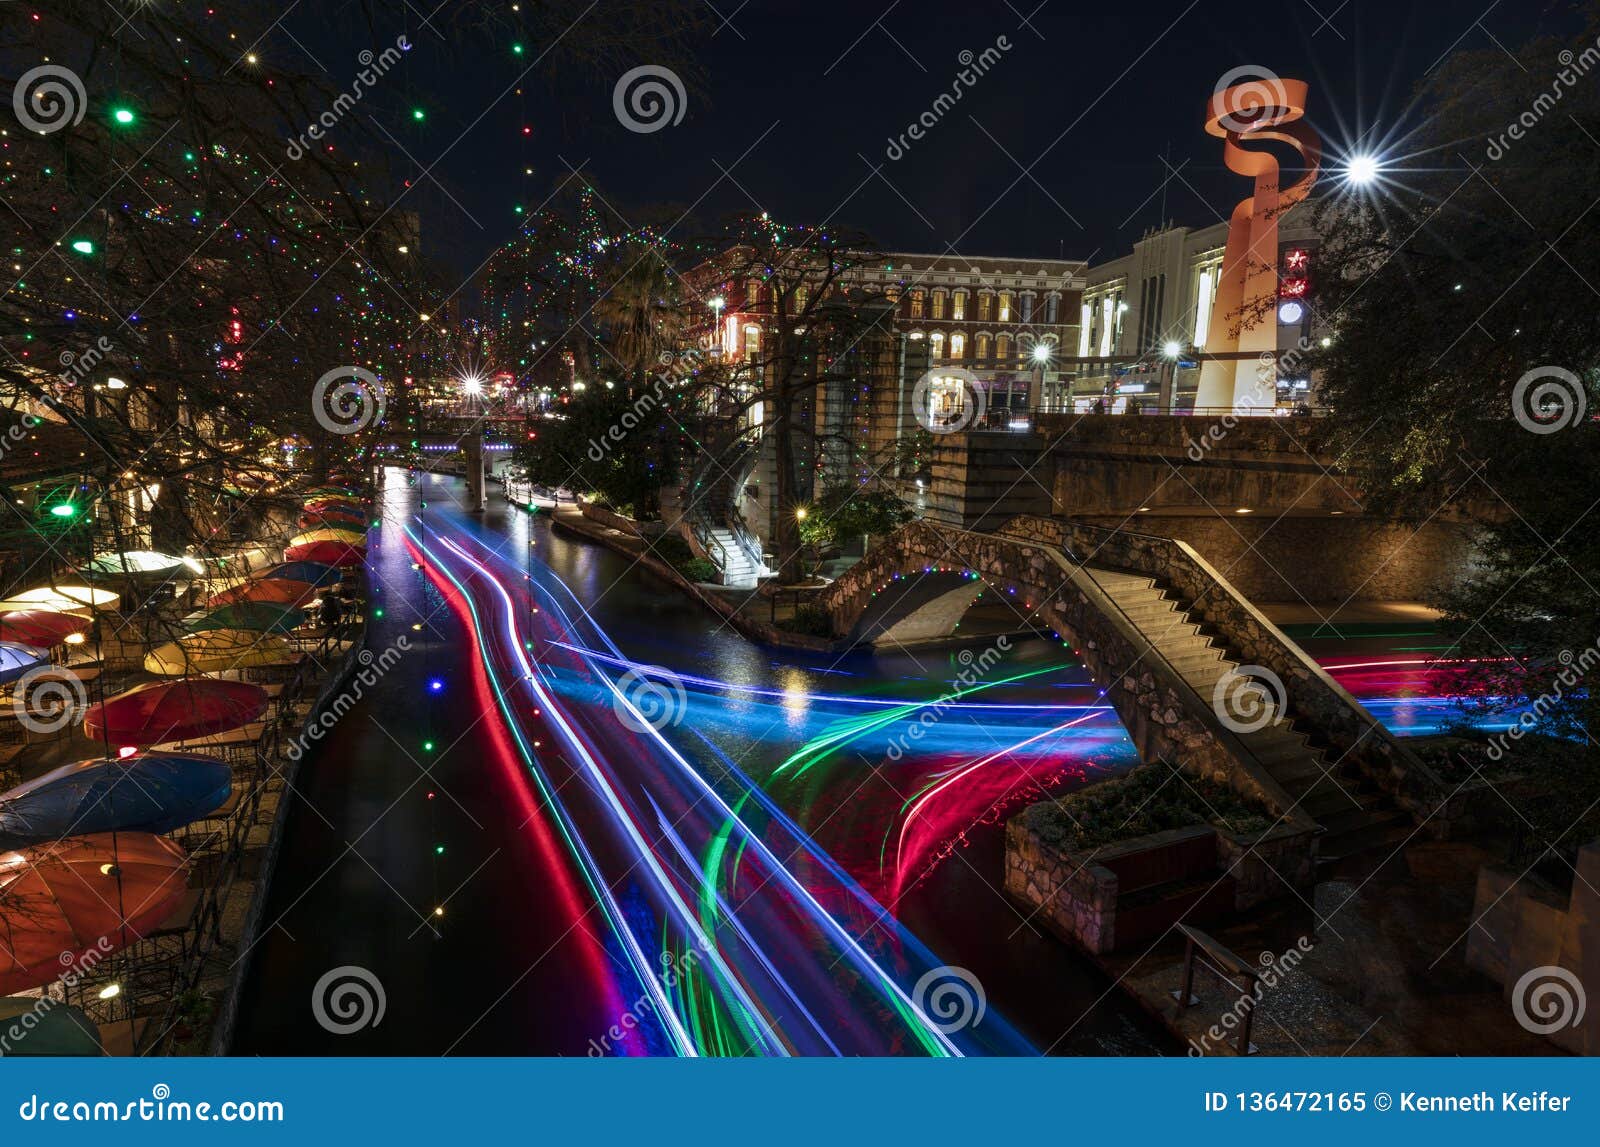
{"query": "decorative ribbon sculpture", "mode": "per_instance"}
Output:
(1264, 109)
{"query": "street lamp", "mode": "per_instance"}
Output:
(1172, 349)
(1360, 170)
(472, 386)
(1041, 353)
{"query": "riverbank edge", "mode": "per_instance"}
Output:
(573, 522)
(227, 1014)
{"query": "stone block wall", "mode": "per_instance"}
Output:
(1322, 559)
(1523, 929)
(1078, 894)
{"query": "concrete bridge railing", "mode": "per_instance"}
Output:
(1351, 732)
(1163, 714)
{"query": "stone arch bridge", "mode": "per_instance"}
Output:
(1176, 649)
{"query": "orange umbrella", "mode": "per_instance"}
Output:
(270, 590)
(59, 901)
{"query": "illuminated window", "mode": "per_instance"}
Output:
(1202, 308)
(958, 306)
(918, 301)
(1085, 317)
(752, 294)
(1002, 349)
(752, 340)
(936, 344)
(985, 303)
(981, 347)
(1105, 325)
(958, 346)
(938, 304)
(1005, 307)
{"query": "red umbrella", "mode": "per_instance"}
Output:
(273, 591)
(41, 628)
(163, 711)
(60, 901)
(328, 553)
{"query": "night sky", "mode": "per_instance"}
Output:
(798, 103)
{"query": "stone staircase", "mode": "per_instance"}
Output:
(1354, 813)
(739, 568)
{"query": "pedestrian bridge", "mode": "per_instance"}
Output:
(1197, 675)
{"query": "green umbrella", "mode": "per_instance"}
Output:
(260, 616)
(44, 1027)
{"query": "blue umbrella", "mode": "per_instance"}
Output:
(15, 660)
(312, 573)
(128, 794)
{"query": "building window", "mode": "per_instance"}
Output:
(800, 296)
(1052, 309)
(981, 348)
(918, 301)
(1005, 307)
(1202, 308)
(958, 306)
(936, 343)
(752, 341)
(1085, 321)
(752, 294)
(985, 302)
(1105, 326)
(1002, 349)
(958, 346)
(938, 304)
(1027, 307)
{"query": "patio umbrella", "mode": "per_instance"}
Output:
(217, 651)
(328, 553)
(59, 901)
(312, 573)
(143, 564)
(333, 519)
(123, 794)
(41, 628)
(260, 616)
(270, 590)
(56, 1029)
(15, 660)
(80, 599)
(329, 534)
(162, 711)
(317, 505)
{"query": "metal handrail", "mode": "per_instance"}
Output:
(701, 523)
(1225, 963)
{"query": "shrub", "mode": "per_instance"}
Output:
(1148, 799)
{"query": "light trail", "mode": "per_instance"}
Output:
(754, 982)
